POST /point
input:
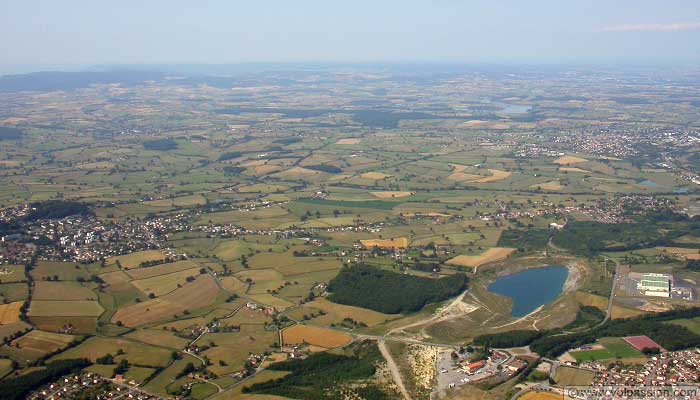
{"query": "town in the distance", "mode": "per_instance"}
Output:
(364, 232)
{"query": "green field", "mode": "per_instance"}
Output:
(614, 348)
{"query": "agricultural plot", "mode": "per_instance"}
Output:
(496, 175)
(397, 243)
(62, 271)
(158, 337)
(72, 324)
(609, 349)
(569, 160)
(336, 313)
(307, 334)
(160, 383)
(165, 283)
(11, 292)
(77, 308)
(12, 274)
(12, 328)
(490, 255)
(134, 260)
(233, 348)
(150, 272)
(64, 291)
(137, 353)
(36, 344)
(391, 195)
(567, 376)
(201, 293)
(9, 313)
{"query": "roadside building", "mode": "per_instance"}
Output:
(475, 366)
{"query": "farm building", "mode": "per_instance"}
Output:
(658, 285)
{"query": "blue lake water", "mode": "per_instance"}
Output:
(531, 288)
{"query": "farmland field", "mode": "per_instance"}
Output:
(567, 376)
(78, 308)
(302, 334)
(198, 294)
(218, 230)
(9, 313)
(611, 348)
(490, 255)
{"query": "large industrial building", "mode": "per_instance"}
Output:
(658, 285)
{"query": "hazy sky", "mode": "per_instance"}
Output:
(70, 32)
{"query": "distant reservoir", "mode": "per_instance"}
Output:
(531, 288)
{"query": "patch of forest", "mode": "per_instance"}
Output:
(390, 292)
(55, 209)
(160, 144)
(588, 238)
(325, 375)
(8, 133)
(324, 168)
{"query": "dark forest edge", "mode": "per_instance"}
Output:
(390, 292)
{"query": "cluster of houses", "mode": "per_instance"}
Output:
(75, 386)
(667, 368)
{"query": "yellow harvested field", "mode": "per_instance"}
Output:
(9, 313)
(43, 342)
(490, 255)
(374, 175)
(185, 201)
(496, 175)
(349, 141)
(474, 122)
(266, 169)
(551, 185)
(271, 301)
(115, 278)
(398, 243)
(619, 312)
(297, 172)
(462, 177)
(133, 260)
(573, 169)
(568, 160)
(391, 194)
(305, 334)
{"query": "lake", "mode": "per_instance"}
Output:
(531, 288)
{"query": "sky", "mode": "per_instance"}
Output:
(41, 34)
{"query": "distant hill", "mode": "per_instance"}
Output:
(54, 80)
